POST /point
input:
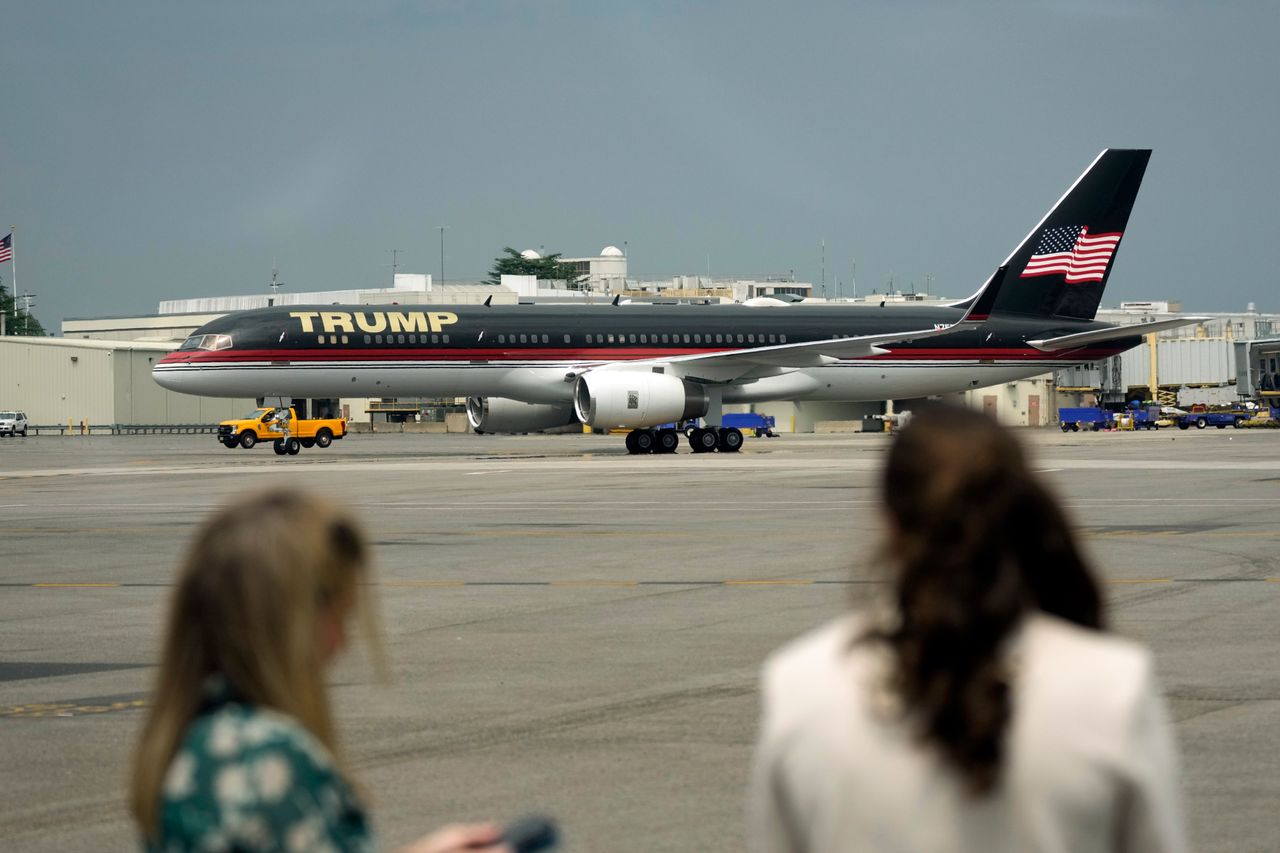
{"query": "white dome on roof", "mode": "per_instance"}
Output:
(610, 252)
(530, 255)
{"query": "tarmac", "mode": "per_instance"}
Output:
(578, 632)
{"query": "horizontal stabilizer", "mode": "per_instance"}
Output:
(1098, 336)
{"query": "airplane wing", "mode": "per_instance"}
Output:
(1096, 336)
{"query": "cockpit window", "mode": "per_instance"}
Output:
(205, 342)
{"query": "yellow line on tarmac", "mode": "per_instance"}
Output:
(769, 583)
(1139, 580)
(73, 585)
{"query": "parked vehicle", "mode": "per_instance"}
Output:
(288, 433)
(762, 425)
(1087, 417)
(1200, 417)
(13, 423)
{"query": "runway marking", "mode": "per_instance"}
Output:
(74, 585)
(481, 473)
(409, 583)
(76, 707)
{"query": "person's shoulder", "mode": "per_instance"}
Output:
(1071, 660)
(809, 661)
(237, 733)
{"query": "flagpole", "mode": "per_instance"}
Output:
(13, 276)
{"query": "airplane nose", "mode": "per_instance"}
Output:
(168, 373)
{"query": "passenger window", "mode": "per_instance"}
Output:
(610, 338)
(751, 339)
(566, 339)
(782, 338)
(368, 339)
(399, 339)
(446, 339)
(502, 339)
(631, 338)
(697, 339)
(665, 339)
(320, 339)
(435, 339)
(773, 339)
(344, 339)
(739, 338)
(377, 339)
(413, 339)
(524, 339)
(644, 339)
(686, 339)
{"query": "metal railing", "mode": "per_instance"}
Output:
(86, 429)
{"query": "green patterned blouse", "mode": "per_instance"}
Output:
(249, 779)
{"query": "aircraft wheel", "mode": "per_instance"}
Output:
(730, 440)
(631, 442)
(324, 438)
(668, 440)
(703, 440)
(644, 440)
(278, 447)
(248, 440)
(293, 447)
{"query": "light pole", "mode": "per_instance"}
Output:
(442, 227)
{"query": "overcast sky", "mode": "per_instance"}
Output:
(163, 150)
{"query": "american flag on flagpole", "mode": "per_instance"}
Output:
(1072, 251)
(6, 249)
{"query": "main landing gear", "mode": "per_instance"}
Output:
(702, 440)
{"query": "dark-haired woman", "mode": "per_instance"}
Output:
(982, 706)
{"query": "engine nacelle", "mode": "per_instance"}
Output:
(498, 414)
(635, 398)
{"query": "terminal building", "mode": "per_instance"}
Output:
(99, 370)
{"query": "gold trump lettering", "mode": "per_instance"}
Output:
(440, 319)
(305, 318)
(336, 321)
(373, 322)
(377, 324)
(414, 321)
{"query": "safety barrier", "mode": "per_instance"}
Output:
(85, 429)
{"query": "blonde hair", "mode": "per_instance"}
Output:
(253, 588)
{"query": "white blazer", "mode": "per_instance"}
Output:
(1090, 763)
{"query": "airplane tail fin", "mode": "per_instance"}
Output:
(1061, 268)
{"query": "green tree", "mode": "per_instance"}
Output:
(547, 268)
(18, 323)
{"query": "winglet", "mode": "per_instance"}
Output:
(980, 308)
(488, 300)
(617, 300)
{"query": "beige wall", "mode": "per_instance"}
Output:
(55, 380)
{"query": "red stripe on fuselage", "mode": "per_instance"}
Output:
(559, 354)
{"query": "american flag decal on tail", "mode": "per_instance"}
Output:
(1072, 251)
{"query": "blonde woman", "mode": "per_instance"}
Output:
(239, 750)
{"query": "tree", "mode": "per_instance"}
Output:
(15, 323)
(547, 268)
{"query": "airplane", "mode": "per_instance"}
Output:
(645, 367)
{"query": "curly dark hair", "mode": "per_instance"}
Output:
(977, 542)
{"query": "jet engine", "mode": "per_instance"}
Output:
(634, 398)
(498, 414)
